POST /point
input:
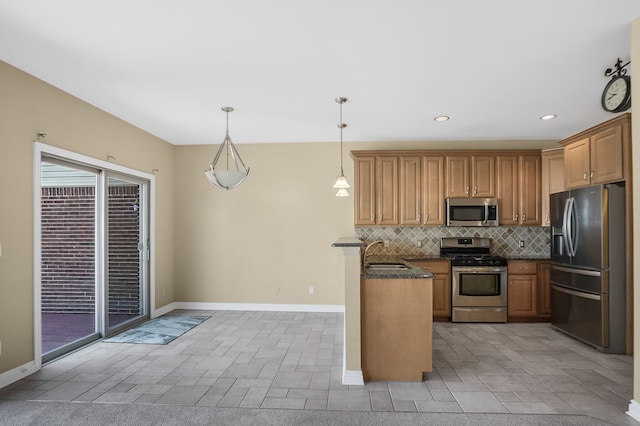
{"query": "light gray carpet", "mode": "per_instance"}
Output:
(20, 413)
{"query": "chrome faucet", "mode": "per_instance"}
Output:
(364, 256)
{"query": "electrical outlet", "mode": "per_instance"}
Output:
(521, 244)
(386, 243)
(419, 243)
(312, 290)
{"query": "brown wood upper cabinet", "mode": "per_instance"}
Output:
(421, 190)
(598, 155)
(376, 190)
(387, 175)
(552, 179)
(410, 187)
(471, 176)
(365, 190)
(518, 189)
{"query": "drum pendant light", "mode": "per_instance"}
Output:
(341, 182)
(233, 171)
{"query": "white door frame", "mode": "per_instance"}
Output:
(40, 149)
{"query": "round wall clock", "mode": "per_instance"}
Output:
(616, 96)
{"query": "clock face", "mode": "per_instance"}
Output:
(616, 94)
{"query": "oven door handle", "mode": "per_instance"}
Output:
(479, 270)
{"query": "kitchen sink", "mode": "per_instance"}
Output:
(387, 267)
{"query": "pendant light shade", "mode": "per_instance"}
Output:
(229, 172)
(342, 193)
(341, 182)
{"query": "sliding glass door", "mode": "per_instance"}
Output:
(94, 262)
(127, 251)
(69, 236)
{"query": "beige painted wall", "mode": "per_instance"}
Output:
(29, 106)
(269, 240)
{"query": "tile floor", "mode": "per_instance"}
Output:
(294, 361)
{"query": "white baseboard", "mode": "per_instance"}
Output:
(163, 310)
(634, 410)
(17, 373)
(352, 377)
(269, 307)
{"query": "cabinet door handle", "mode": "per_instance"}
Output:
(466, 191)
(524, 217)
(418, 217)
(593, 173)
(546, 218)
(475, 189)
(585, 176)
(426, 218)
(515, 219)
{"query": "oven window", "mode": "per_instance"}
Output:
(479, 284)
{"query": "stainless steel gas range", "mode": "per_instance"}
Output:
(478, 280)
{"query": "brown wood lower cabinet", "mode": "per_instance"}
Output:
(441, 270)
(396, 328)
(528, 291)
(544, 289)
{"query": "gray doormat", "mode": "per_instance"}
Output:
(158, 331)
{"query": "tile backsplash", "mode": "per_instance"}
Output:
(505, 240)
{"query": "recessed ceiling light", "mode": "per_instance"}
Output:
(548, 117)
(441, 118)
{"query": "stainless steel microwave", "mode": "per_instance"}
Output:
(472, 212)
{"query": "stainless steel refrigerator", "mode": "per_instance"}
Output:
(588, 274)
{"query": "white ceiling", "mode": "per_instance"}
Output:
(493, 66)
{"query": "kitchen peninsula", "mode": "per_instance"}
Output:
(397, 321)
(388, 319)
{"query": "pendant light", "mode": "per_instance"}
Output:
(233, 172)
(341, 182)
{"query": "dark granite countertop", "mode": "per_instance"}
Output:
(412, 272)
(419, 257)
(348, 242)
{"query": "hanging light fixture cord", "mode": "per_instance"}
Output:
(341, 125)
(341, 182)
(227, 110)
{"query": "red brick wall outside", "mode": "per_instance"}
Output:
(68, 253)
(124, 258)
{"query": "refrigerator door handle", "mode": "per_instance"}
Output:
(576, 293)
(569, 226)
(565, 231)
(585, 272)
(573, 213)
